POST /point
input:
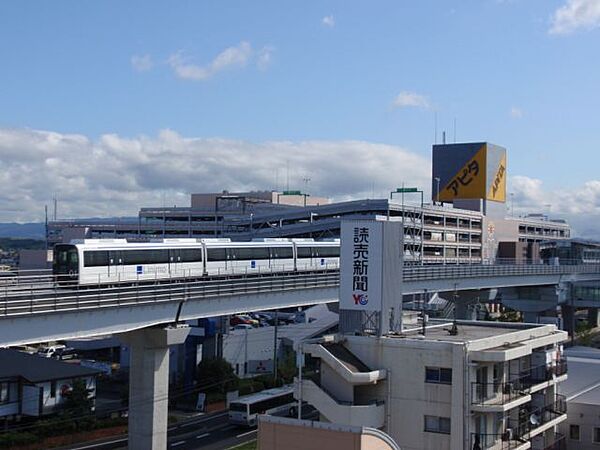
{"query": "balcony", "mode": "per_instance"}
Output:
(537, 420)
(503, 441)
(498, 397)
(346, 413)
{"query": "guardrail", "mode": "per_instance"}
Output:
(68, 299)
(29, 294)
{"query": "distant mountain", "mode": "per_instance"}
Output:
(34, 230)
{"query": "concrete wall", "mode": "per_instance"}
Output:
(587, 416)
(410, 397)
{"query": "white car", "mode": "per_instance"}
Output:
(243, 326)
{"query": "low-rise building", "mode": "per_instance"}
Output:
(34, 386)
(476, 385)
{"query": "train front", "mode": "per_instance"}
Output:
(65, 267)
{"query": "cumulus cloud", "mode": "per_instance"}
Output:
(142, 63)
(264, 57)
(575, 15)
(232, 57)
(580, 205)
(328, 21)
(516, 113)
(115, 175)
(406, 99)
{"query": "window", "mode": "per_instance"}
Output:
(438, 375)
(596, 435)
(216, 254)
(435, 424)
(4, 393)
(190, 254)
(281, 253)
(328, 252)
(145, 257)
(53, 389)
(95, 258)
(248, 253)
(304, 252)
(574, 432)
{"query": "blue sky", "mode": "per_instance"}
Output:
(520, 73)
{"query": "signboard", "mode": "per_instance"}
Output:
(361, 258)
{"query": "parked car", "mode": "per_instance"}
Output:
(243, 326)
(65, 353)
(49, 351)
(240, 319)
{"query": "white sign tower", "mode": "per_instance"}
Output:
(371, 275)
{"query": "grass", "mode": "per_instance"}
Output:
(252, 445)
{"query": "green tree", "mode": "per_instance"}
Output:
(78, 401)
(216, 375)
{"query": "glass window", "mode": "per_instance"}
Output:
(574, 432)
(95, 258)
(190, 254)
(438, 375)
(435, 424)
(240, 407)
(216, 254)
(304, 252)
(596, 437)
(145, 256)
(281, 252)
(328, 252)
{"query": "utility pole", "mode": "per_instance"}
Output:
(275, 345)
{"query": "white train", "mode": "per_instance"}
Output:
(108, 261)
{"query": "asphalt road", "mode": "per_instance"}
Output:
(207, 432)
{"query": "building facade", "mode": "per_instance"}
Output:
(482, 385)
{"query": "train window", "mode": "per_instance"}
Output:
(145, 256)
(95, 258)
(281, 252)
(216, 254)
(190, 254)
(248, 253)
(328, 252)
(304, 252)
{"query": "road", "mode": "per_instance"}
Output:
(207, 432)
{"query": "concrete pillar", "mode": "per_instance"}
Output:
(593, 317)
(568, 318)
(149, 384)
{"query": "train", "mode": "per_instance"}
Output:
(111, 261)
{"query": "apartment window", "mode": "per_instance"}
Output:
(574, 432)
(435, 424)
(4, 395)
(596, 436)
(438, 375)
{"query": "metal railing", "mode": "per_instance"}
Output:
(497, 393)
(40, 292)
(487, 441)
(532, 418)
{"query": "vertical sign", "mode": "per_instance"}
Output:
(361, 258)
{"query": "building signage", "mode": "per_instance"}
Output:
(361, 265)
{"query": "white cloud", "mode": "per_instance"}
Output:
(579, 205)
(407, 99)
(114, 175)
(328, 21)
(575, 15)
(264, 57)
(516, 113)
(231, 57)
(142, 63)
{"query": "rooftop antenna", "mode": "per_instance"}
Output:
(444, 137)
(455, 130)
(306, 180)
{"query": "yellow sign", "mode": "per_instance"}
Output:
(469, 182)
(497, 191)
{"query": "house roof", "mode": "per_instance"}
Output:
(34, 369)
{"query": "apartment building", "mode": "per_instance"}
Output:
(472, 385)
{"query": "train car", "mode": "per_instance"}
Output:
(110, 261)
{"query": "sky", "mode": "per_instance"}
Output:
(111, 106)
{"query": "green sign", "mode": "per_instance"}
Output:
(405, 190)
(292, 193)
